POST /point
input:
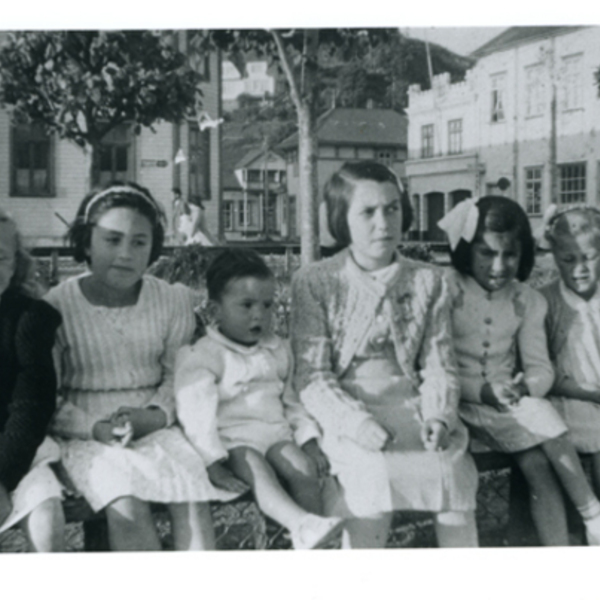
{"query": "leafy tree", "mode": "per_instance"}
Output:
(83, 84)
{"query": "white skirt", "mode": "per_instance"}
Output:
(162, 467)
(527, 424)
(40, 484)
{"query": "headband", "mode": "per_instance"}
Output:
(461, 222)
(121, 189)
(551, 216)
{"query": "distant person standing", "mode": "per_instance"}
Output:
(188, 222)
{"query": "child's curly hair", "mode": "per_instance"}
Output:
(24, 278)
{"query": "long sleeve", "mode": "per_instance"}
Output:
(440, 387)
(335, 410)
(304, 426)
(180, 332)
(533, 346)
(34, 395)
(197, 399)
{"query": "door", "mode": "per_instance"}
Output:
(435, 212)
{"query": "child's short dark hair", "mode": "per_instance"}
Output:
(340, 187)
(234, 263)
(500, 215)
(115, 195)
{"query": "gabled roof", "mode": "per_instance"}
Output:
(358, 126)
(252, 155)
(518, 36)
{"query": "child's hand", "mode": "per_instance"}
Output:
(144, 421)
(371, 435)
(103, 432)
(221, 477)
(503, 394)
(313, 450)
(122, 429)
(5, 504)
(435, 435)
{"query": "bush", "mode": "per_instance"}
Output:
(422, 252)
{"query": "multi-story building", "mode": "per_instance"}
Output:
(42, 178)
(522, 124)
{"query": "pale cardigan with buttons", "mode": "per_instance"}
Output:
(332, 311)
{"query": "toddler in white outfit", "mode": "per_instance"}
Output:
(237, 406)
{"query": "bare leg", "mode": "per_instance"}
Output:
(367, 533)
(456, 529)
(44, 527)
(566, 463)
(250, 466)
(545, 496)
(192, 526)
(131, 526)
(300, 473)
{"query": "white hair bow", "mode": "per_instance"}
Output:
(461, 222)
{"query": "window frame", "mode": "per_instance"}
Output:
(427, 140)
(534, 186)
(455, 136)
(33, 138)
(498, 96)
(573, 191)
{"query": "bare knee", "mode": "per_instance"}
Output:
(292, 463)
(127, 510)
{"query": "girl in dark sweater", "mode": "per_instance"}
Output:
(29, 492)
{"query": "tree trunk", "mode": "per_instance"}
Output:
(308, 193)
(92, 158)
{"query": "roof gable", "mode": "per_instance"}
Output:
(518, 36)
(358, 126)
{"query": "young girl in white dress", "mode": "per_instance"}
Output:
(30, 494)
(376, 369)
(237, 405)
(504, 368)
(573, 325)
(116, 351)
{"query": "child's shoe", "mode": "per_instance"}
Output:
(592, 530)
(315, 532)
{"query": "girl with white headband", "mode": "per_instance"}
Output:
(504, 368)
(116, 349)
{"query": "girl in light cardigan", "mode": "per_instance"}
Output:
(375, 367)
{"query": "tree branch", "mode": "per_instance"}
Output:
(287, 69)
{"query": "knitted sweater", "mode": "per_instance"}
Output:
(27, 381)
(332, 311)
(102, 349)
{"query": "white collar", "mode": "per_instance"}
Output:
(269, 341)
(577, 302)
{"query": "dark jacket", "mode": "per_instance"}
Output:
(27, 381)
